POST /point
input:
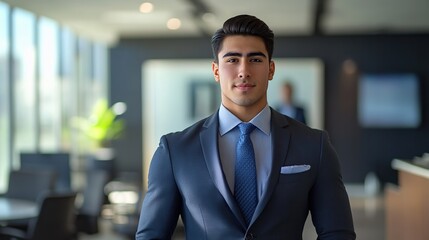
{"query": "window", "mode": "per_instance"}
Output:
(47, 76)
(4, 96)
(49, 87)
(100, 71)
(69, 86)
(24, 82)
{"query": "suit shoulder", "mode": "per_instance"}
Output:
(190, 131)
(303, 129)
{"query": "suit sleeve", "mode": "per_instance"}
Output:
(161, 205)
(330, 207)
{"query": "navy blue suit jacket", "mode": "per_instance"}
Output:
(186, 179)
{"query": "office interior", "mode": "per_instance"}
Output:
(55, 76)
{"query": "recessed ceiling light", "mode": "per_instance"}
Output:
(173, 23)
(146, 7)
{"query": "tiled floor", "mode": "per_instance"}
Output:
(368, 215)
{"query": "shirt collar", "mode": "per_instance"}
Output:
(228, 121)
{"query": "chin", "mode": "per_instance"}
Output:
(245, 102)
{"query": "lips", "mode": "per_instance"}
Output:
(244, 86)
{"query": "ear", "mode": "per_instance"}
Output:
(271, 70)
(215, 69)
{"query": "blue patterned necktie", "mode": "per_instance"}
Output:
(245, 173)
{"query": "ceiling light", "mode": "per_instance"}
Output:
(146, 7)
(173, 23)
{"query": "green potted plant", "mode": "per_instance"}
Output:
(102, 126)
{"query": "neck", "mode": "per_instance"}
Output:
(244, 113)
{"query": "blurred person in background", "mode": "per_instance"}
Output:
(287, 106)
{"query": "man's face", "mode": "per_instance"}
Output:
(243, 72)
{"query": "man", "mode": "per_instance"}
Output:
(287, 107)
(264, 192)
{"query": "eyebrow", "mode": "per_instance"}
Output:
(237, 54)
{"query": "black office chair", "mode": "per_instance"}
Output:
(30, 184)
(58, 162)
(55, 220)
(93, 199)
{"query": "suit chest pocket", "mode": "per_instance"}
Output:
(301, 178)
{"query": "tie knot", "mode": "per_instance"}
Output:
(246, 128)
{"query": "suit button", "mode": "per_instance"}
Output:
(250, 236)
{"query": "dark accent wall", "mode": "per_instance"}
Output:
(360, 150)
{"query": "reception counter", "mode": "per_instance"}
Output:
(407, 205)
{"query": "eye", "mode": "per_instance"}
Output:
(256, 60)
(232, 60)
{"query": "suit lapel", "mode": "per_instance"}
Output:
(280, 144)
(209, 144)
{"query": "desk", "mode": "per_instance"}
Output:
(16, 209)
(407, 205)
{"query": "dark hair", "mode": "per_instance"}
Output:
(243, 25)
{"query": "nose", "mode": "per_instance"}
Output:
(244, 72)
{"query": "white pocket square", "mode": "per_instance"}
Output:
(294, 169)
